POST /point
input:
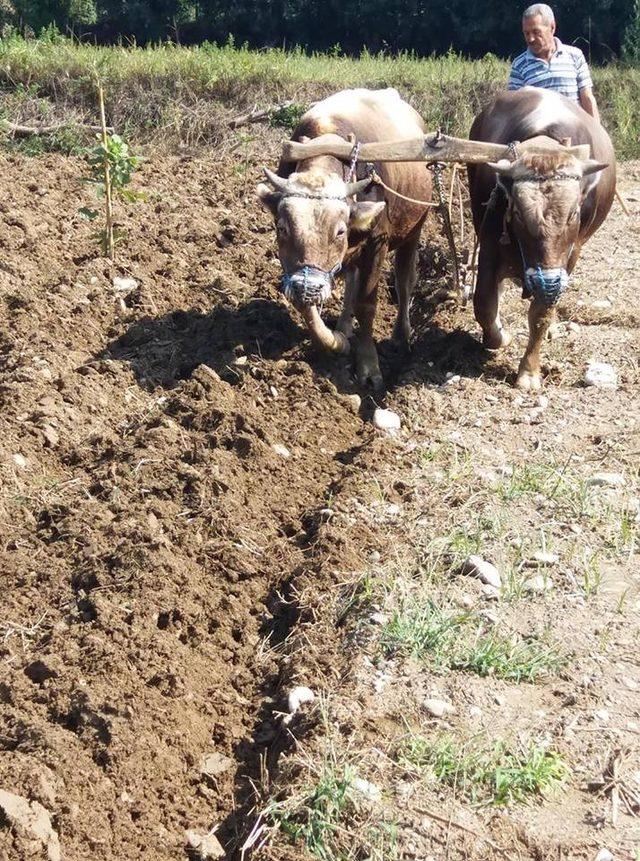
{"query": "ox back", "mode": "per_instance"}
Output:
(371, 115)
(522, 114)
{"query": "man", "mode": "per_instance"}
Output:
(549, 64)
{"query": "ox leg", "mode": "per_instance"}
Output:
(540, 318)
(367, 365)
(486, 299)
(406, 277)
(345, 320)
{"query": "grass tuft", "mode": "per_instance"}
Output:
(490, 775)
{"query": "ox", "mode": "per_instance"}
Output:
(533, 215)
(326, 224)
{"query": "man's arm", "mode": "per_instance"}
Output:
(588, 102)
(585, 86)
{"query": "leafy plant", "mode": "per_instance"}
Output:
(111, 166)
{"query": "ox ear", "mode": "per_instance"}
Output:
(269, 198)
(364, 215)
(592, 166)
(504, 173)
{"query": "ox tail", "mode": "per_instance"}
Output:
(333, 342)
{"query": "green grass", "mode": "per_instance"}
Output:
(447, 639)
(179, 91)
(495, 775)
(332, 820)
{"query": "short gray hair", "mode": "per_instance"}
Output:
(545, 12)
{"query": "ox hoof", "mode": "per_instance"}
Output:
(529, 381)
(402, 335)
(496, 339)
(368, 373)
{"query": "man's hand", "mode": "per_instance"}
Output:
(588, 102)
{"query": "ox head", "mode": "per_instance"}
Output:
(545, 196)
(317, 220)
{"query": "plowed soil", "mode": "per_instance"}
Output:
(169, 459)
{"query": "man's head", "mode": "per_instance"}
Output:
(538, 27)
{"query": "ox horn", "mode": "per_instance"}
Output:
(352, 188)
(333, 342)
(278, 182)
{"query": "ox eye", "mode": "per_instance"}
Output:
(281, 228)
(341, 230)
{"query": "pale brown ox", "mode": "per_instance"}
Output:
(322, 227)
(542, 212)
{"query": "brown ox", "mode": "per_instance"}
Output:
(543, 210)
(323, 228)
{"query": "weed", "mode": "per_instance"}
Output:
(287, 117)
(494, 775)
(443, 636)
(507, 658)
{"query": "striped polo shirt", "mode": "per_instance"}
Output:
(566, 72)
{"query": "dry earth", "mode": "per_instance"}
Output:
(196, 518)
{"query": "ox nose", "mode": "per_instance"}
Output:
(547, 285)
(307, 286)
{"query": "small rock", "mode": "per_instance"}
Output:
(601, 305)
(499, 700)
(214, 764)
(475, 712)
(601, 375)
(489, 617)
(354, 402)
(282, 450)
(20, 461)
(555, 331)
(206, 845)
(539, 583)
(393, 510)
(241, 360)
(602, 715)
(491, 593)
(607, 479)
(573, 327)
(542, 558)
(274, 391)
(369, 790)
(33, 820)
(298, 696)
(438, 708)
(452, 379)
(51, 436)
(604, 855)
(631, 684)
(476, 566)
(466, 602)
(374, 557)
(124, 286)
(386, 420)
(542, 401)
(378, 619)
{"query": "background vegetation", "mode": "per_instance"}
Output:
(604, 28)
(176, 94)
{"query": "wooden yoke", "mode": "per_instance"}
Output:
(433, 147)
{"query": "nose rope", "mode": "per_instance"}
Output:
(546, 285)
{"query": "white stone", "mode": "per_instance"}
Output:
(602, 715)
(601, 305)
(354, 402)
(604, 855)
(476, 566)
(475, 712)
(573, 327)
(631, 684)
(274, 391)
(214, 764)
(542, 401)
(378, 619)
(33, 820)
(438, 708)
(601, 375)
(386, 420)
(282, 450)
(298, 696)
(608, 479)
(369, 790)
(452, 380)
(20, 461)
(374, 557)
(539, 583)
(206, 845)
(124, 285)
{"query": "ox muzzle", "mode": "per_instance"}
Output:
(309, 285)
(545, 285)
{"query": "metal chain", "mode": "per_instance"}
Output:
(437, 169)
(355, 152)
